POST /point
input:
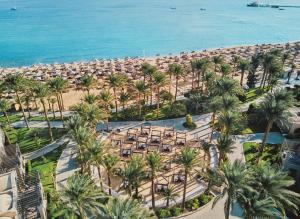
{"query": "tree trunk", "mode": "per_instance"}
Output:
(28, 110)
(109, 183)
(193, 75)
(6, 137)
(157, 113)
(184, 190)
(35, 103)
(242, 78)
(170, 84)
(136, 191)
(168, 202)
(60, 109)
(176, 88)
(263, 77)
(53, 112)
(62, 101)
(7, 118)
(21, 107)
(116, 101)
(151, 95)
(198, 74)
(268, 128)
(152, 192)
(47, 119)
(140, 107)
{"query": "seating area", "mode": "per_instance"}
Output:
(144, 139)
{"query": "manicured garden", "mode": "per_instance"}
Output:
(33, 139)
(191, 205)
(46, 166)
(271, 153)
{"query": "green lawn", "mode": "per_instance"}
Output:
(33, 139)
(271, 153)
(46, 166)
(13, 117)
(254, 93)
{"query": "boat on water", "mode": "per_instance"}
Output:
(13, 8)
(173, 8)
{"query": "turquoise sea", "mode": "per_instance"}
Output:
(46, 31)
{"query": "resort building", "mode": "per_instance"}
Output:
(21, 193)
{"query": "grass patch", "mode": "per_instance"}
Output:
(33, 139)
(254, 93)
(13, 117)
(46, 166)
(271, 153)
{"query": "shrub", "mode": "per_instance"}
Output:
(189, 122)
(204, 199)
(163, 213)
(176, 211)
(177, 109)
(192, 204)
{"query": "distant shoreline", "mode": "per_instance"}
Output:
(146, 57)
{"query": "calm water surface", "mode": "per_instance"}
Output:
(46, 31)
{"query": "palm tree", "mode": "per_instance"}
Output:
(154, 162)
(290, 73)
(82, 195)
(226, 85)
(140, 86)
(148, 70)
(92, 114)
(234, 178)
(225, 146)
(255, 207)
(170, 195)
(52, 102)
(41, 92)
(87, 82)
(124, 98)
(95, 150)
(235, 60)
(90, 98)
(274, 109)
(118, 208)
(187, 158)
(284, 57)
(229, 122)
(177, 71)
(202, 66)
(217, 60)
(214, 106)
(27, 98)
(159, 80)
(267, 61)
(109, 162)
(225, 69)
(243, 66)
(4, 107)
(17, 83)
(106, 99)
(115, 81)
(275, 184)
(209, 79)
(58, 85)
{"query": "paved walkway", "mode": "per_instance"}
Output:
(66, 165)
(46, 149)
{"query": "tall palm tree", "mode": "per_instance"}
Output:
(154, 162)
(118, 208)
(52, 102)
(170, 195)
(234, 179)
(4, 107)
(187, 158)
(274, 109)
(58, 85)
(226, 85)
(275, 184)
(92, 114)
(268, 60)
(217, 60)
(225, 69)
(243, 66)
(87, 82)
(82, 195)
(17, 83)
(176, 70)
(148, 70)
(229, 122)
(235, 60)
(115, 81)
(140, 86)
(202, 66)
(27, 99)
(41, 92)
(109, 162)
(225, 146)
(209, 79)
(124, 98)
(95, 150)
(106, 99)
(214, 106)
(159, 80)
